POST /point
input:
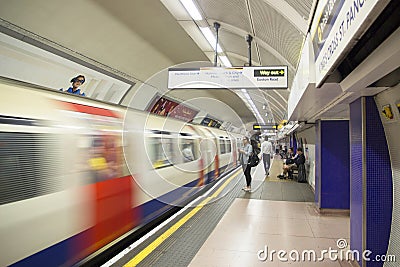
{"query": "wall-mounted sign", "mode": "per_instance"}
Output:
(166, 107)
(387, 112)
(335, 24)
(211, 122)
(267, 77)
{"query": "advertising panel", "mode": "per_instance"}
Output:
(166, 107)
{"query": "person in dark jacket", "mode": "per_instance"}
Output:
(302, 176)
(297, 160)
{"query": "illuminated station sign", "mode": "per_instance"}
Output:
(268, 126)
(267, 77)
(337, 24)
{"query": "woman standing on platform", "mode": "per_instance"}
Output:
(244, 160)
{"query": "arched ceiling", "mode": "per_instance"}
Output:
(278, 29)
(142, 37)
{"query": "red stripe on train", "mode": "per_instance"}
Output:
(89, 109)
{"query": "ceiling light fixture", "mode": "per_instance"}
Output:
(253, 106)
(225, 61)
(210, 38)
(191, 9)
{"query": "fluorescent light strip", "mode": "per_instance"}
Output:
(225, 61)
(210, 38)
(191, 9)
(253, 107)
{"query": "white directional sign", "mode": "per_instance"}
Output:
(268, 77)
(337, 25)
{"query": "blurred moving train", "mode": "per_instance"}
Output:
(76, 174)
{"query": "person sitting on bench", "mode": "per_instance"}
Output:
(293, 162)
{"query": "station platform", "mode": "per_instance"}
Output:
(230, 227)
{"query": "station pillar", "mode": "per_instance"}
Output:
(371, 186)
(332, 165)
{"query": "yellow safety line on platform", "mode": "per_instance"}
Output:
(145, 252)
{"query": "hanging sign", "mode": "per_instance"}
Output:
(267, 77)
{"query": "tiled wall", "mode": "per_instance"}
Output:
(392, 130)
(335, 164)
(356, 185)
(378, 182)
(317, 163)
(332, 165)
(371, 181)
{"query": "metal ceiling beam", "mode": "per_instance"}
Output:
(277, 109)
(289, 13)
(284, 99)
(241, 57)
(275, 100)
(235, 30)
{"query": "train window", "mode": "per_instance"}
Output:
(28, 166)
(239, 142)
(168, 149)
(104, 157)
(160, 151)
(188, 150)
(222, 146)
(228, 146)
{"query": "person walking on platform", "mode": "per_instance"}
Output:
(244, 160)
(267, 153)
(76, 82)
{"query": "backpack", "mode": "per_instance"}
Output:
(255, 146)
(253, 160)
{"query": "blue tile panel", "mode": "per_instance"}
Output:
(335, 164)
(317, 163)
(356, 195)
(332, 165)
(377, 185)
(379, 195)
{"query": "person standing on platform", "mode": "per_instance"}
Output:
(276, 148)
(267, 153)
(244, 160)
(76, 82)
